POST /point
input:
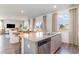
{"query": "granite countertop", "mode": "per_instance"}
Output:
(35, 37)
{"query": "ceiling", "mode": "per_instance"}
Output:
(13, 11)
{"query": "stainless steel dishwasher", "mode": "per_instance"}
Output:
(44, 46)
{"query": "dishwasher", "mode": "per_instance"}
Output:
(44, 46)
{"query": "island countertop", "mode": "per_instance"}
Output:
(35, 37)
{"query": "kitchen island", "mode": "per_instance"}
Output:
(40, 43)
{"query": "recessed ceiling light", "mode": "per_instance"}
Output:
(22, 11)
(54, 6)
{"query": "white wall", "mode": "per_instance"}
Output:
(49, 22)
(16, 22)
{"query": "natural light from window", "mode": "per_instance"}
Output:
(63, 21)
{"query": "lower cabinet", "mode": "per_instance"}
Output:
(55, 43)
(50, 47)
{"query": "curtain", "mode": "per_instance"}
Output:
(1, 26)
(73, 34)
(54, 22)
(3, 29)
(44, 22)
(33, 23)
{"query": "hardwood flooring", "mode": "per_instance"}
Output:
(68, 49)
(8, 48)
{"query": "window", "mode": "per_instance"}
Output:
(39, 25)
(63, 21)
(26, 24)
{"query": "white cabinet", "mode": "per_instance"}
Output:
(55, 42)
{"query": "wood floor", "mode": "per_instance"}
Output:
(7, 48)
(68, 49)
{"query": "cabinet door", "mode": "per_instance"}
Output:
(53, 43)
(58, 41)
